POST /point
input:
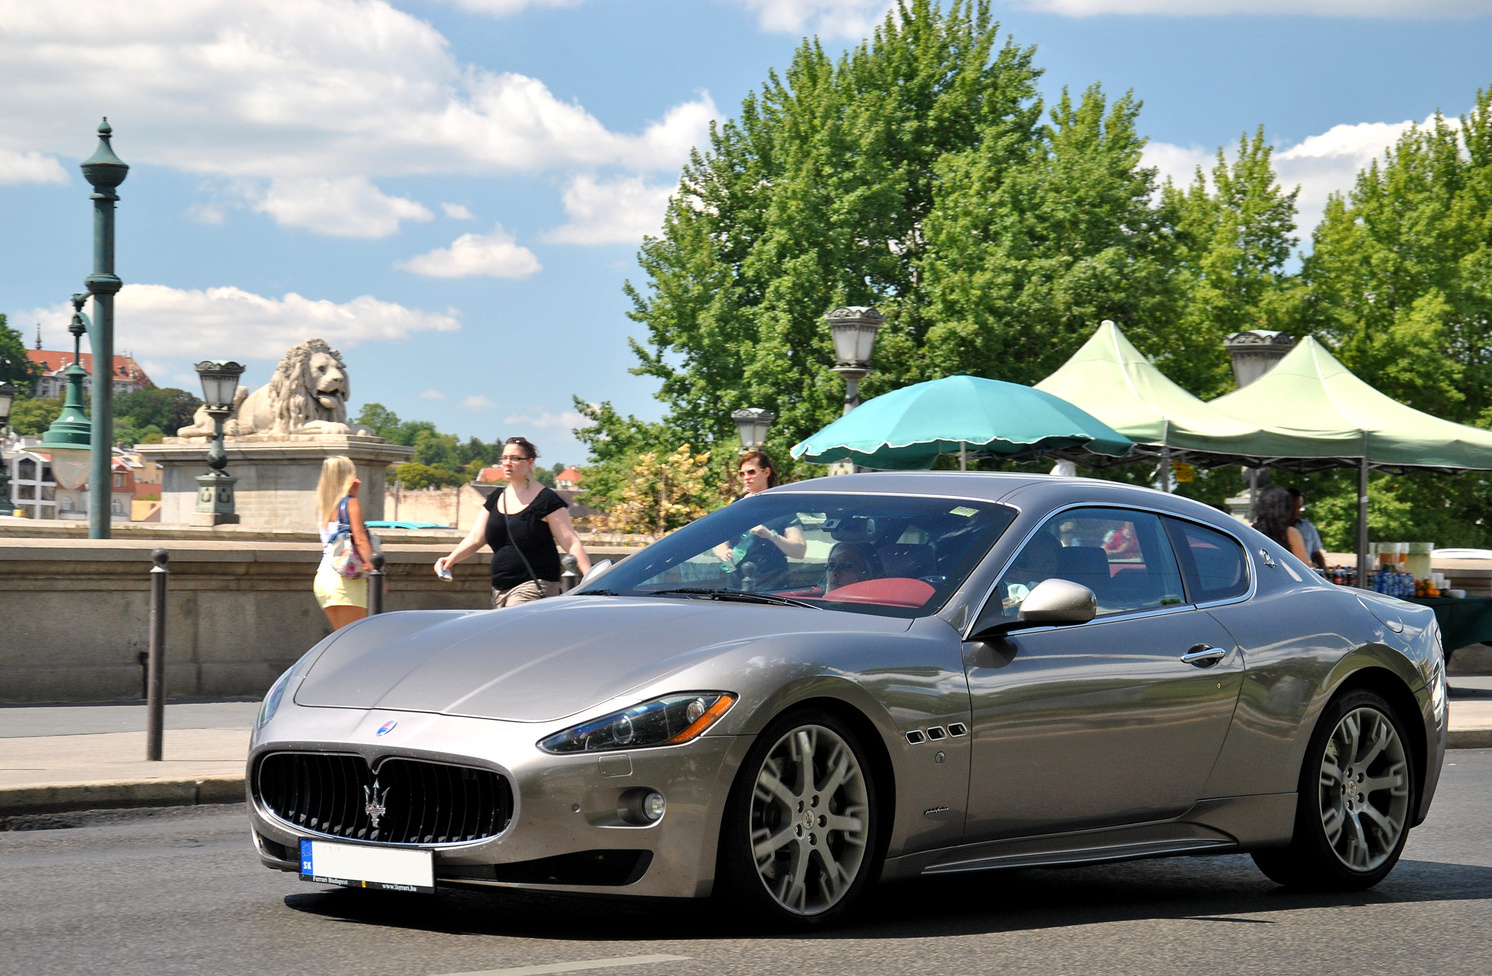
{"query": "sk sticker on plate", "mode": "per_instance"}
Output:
(964, 511)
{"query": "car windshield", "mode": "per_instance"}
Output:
(890, 555)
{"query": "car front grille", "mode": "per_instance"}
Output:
(407, 801)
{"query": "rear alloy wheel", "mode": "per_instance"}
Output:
(1356, 800)
(801, 834)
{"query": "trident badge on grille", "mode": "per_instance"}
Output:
(375, 808)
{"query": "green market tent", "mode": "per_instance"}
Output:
(1310, 394)
(910, 427)
(1111, 379)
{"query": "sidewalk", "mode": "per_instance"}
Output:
(61, 758)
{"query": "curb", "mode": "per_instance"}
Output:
(72, 797)
(1469, 739)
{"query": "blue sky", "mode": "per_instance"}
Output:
(452, 191)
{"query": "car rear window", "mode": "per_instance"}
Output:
(1213, 562)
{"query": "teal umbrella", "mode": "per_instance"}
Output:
(908, 428)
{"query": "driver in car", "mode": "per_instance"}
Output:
(849, 562)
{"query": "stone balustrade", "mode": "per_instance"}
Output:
(74, 612)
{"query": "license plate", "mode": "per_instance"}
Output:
(359, 866)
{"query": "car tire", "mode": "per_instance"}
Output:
(801, 837)
(1355, 802)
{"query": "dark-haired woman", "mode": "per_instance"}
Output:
(522, 523)
(767, 547)
(1273, 514)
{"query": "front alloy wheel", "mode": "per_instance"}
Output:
(805, 834)
(1356, 798)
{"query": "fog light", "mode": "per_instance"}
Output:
(653, 806)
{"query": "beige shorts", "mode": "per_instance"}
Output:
(333, 590)
(524, 593)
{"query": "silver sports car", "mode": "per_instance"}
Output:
(869, 677)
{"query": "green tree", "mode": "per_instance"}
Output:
(31, 417)
(1234, 238)
(817, 195)
(1027, 256)
(1399, 284)
(167, 409)
(16, 368)
(415, 474)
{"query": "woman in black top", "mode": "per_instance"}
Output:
(522, 524)
(766, 547)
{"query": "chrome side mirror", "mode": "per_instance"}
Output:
(596, 570)
(1050, 602)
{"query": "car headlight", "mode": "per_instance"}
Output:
(272, 700)
(661, 722)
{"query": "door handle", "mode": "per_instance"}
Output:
(1203, 655)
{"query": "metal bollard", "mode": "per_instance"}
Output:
(155, 667)
(376, 581)
(570, 578)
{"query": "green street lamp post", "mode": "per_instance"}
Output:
(104, 171)
(215, 489)
(7, 396)
(67, 440)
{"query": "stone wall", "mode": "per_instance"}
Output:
(75, 612)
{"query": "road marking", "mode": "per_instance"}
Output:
(575, 967)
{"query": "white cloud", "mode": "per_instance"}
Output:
(502, 8)
(432, 395)
(348, 207)
(478, 403)
(618, 211)
(230, 323)
(564, 420)
(497, 255)
(458, 211)
(1320, 165)
(852, 19)
(1425, 9)
(294, 88)
(29, 167)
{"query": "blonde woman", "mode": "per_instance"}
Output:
(344, 600)
(523, 523)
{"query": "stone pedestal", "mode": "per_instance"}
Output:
(276, 478)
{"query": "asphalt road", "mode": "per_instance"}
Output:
(180, 891)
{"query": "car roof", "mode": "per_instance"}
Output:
(1037, 492)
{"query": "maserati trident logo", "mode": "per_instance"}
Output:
(375, 808)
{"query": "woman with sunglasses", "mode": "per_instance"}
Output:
(767, 547)
(522, 523)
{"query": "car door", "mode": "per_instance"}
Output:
(1117, 720)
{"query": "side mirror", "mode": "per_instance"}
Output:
(597, 569)
(1052, 602)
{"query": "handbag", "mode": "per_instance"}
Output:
(346, 560)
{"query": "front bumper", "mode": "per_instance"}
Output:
(568, 829)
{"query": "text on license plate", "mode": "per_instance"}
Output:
(359, 866)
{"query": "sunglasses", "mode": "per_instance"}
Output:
(840, 565)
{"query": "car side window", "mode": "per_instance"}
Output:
(1123, 556)
(1215, 565)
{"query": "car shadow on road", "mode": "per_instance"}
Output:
(1226, 889)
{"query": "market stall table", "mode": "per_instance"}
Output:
(1464, 620)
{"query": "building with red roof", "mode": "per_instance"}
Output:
(128, 376)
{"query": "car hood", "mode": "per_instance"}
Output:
(544, 660)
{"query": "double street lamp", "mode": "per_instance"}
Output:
(215, 489)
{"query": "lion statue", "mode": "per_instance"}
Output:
(308, 395)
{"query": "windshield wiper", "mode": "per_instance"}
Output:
(598, 593)
(735, 596)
